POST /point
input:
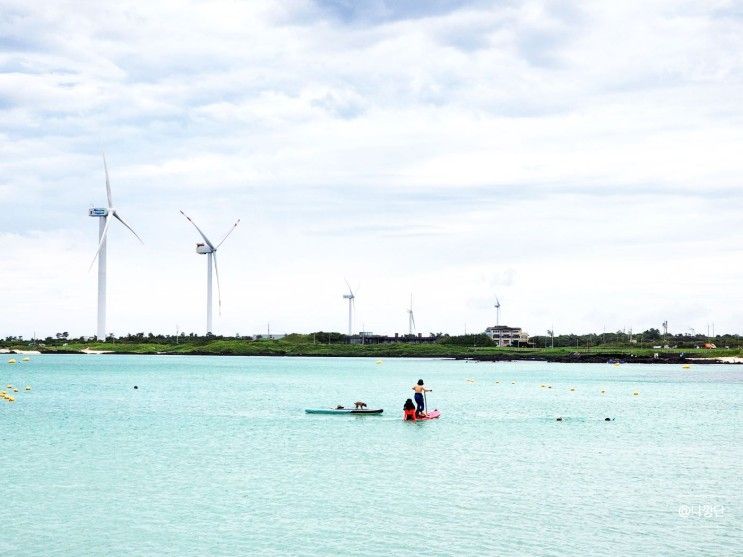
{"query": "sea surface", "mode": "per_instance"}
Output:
(216, 456)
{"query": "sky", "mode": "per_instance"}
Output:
(579, 161)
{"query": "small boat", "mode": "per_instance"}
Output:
(342, 411)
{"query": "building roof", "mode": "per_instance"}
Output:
(503, 328)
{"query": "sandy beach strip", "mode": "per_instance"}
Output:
(723, 359)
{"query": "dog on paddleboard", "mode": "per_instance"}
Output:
(360, 405)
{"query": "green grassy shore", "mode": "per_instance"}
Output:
(302, 345)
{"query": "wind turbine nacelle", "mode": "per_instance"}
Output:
(203, 249)
(98, 212)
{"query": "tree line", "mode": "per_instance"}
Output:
(648, 338)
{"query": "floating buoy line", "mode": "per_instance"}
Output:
(7, 397)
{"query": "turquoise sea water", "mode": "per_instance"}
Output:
(215, 456)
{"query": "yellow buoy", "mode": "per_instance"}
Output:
(635, 393)
(11, 399)
(28, 387)
(685, 366)
(15, 390)
(549, 386)
(26, 359)
(11, 361)
(603, 391)
(572, 388)
(497, 381)
(513, 382)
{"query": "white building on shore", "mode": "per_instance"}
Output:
(504, 335)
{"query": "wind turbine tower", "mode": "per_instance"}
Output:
(104, 214)
(411, 319)
(210, 250)
(351, 304)
(497, 320)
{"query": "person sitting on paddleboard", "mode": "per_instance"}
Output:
(419, 400)
(409, 410)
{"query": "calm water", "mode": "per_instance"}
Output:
(215, 456)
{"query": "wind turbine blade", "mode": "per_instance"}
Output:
(219, 290)
(349, 288)
(412, 318)
(117, 217)
(103, 239)
(497, 302)
(228, 233)
(208, 243)
(108, 184)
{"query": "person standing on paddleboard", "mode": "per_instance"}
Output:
(419, 400)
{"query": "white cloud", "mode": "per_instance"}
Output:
(587, 148)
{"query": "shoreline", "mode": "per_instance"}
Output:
(616, 357)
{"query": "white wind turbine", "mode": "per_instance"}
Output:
(104, 215)
(351, 304)
(497, 320)
(210, 250)
(411, 319)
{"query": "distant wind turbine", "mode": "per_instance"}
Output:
(497, 312)
(351, 304)
(210, 250)
(104, 215)
(411, 319)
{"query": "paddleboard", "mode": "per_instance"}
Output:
(342, 411)
(432, 415)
